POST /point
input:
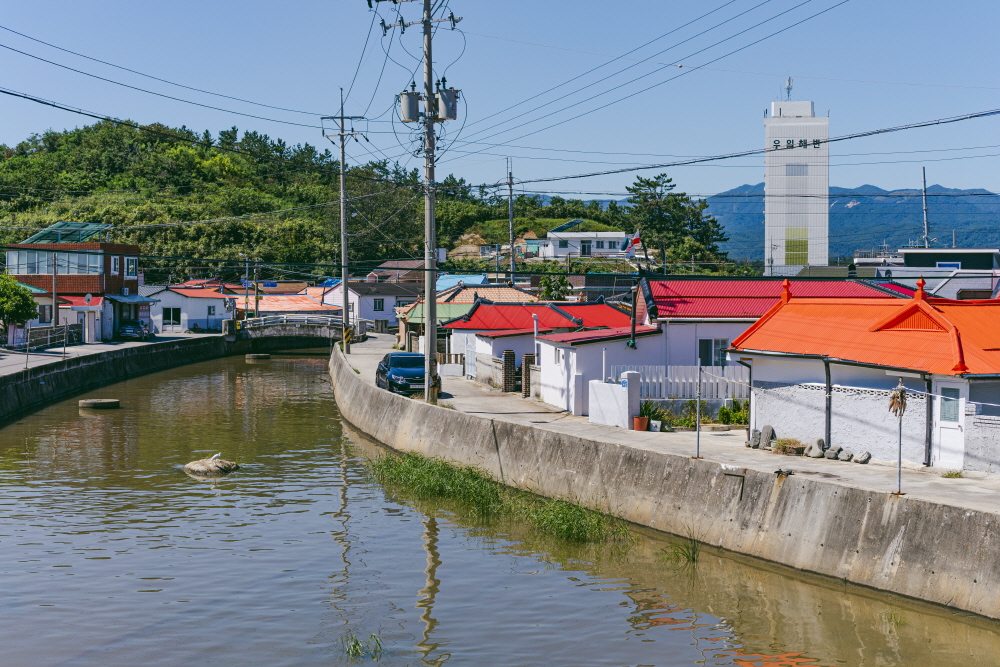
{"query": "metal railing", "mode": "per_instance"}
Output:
(358, 326)
(37, 338)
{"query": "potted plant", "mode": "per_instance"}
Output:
(647, 411)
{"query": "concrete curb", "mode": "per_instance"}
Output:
(915, 548)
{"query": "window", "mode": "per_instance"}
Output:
(44, 314)
(171, 316)
(949, 265)
(585, 248)
(131, 267)
(599, 245)
(563, 244)
(559, 356)
(796, 245)
(796, 170)
(712, 351)
(211, 311)
(379, 305)
(949, 404)
(116, 264)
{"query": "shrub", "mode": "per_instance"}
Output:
(738, 413)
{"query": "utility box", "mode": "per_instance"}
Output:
(447, 104)
(409, 106)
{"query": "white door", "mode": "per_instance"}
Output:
(470, 356)
(948, 447)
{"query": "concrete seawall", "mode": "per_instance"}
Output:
(917, 548)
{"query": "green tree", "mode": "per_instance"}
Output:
(672, 222)
(553, 288)
(17, 306)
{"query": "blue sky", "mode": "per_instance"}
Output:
(871, 64)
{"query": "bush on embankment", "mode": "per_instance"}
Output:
(425, 478)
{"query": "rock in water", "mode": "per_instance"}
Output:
(211, 467)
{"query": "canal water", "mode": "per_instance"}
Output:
(111, 555)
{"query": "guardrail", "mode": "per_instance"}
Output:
(37, 338)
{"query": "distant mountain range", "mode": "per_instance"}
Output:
(866, 217)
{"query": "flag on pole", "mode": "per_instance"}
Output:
(630, 248)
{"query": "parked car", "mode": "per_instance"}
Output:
(401, 372)
(133, 329)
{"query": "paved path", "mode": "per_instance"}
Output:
(12, 362)
(977, 491)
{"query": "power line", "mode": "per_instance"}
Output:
(155, 78)
(674, 78)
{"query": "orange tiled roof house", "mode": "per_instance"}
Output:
(824, 368)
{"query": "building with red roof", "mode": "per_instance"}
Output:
(190, 305)
(701, 315)
(488, 328)
(823, 368)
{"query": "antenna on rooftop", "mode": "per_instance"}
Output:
(788, 89)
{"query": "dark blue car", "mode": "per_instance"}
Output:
(401, 372)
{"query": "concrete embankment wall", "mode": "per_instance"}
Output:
(34, 387)
(916, 548)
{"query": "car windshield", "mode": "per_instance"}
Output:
(131, 323)
(406, 362)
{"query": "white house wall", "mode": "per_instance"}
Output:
(681, 338)
(588, 361)
(194, 310)
(790, 396)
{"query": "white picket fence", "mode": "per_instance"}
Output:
(661, 382)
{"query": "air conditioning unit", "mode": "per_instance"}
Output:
(124, 291)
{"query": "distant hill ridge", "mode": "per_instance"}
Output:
(865, 217)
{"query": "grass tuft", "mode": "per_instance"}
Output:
(427, 478)
(357, 649)
(953, 474)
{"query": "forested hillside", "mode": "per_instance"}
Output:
(180, 194)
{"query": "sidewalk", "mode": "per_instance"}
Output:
(12, 362)
(978, 491)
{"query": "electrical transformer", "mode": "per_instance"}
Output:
(409, 106)
(447, 104)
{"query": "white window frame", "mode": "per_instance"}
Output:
(378, 305)
(131, 267)
(116, 264)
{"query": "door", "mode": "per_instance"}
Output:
(948, 447)
(470, 356)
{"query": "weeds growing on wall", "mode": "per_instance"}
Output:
(424, 478)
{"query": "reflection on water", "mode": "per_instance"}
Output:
(111, 555)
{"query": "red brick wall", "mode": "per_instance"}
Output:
(83, 284)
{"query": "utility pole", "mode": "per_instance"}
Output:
(439, 105)
(345, 316)
(256, 294)
(927, 242)
(510, 214)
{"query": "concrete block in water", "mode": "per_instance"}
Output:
(100, 403)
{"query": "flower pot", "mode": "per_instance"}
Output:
(655, 425)
(640, 423)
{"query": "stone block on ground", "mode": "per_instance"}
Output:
(815, 448)
(863, 457)
(767, 434)
(833, 452)
(755, 439)
(845, 455)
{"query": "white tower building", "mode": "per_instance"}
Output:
(796, 189)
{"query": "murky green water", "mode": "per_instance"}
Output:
(111, 555)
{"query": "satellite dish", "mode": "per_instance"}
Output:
(87, 299)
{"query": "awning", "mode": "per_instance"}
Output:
(131, 298)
